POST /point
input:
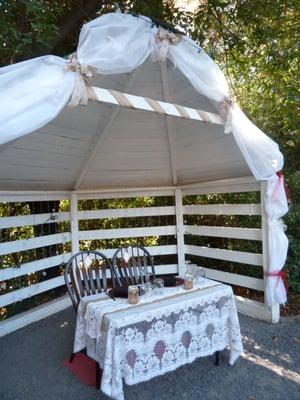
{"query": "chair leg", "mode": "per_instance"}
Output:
(217, 358)
(97, 375)
(71, 358)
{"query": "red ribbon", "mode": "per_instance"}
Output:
(280, 275)
(278, 183)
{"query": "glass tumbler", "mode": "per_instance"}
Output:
(200, 275)
(158, 286)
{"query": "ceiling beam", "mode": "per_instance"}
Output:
(87, 163)
(170, 134)
(147, 104)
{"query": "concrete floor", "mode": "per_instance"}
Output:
(31, 365)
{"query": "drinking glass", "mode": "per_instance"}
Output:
(200, 275)
(145, 289)
(158, 286)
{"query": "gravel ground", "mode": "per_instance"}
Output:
(32, 367)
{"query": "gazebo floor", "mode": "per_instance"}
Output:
(32, 367)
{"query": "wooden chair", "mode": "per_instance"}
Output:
(133, 265)
(88, 273)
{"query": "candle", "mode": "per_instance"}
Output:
(133, 294)
(188, 281)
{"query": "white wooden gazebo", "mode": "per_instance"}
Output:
(154, 127)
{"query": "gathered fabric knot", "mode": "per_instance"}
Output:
(280, 275)
(163, 39)
(225, 109)
(82, 91)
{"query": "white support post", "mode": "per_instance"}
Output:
(74, 223)
(180, 231)
(275, 309)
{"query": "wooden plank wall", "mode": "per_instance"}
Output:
(179, 235)
(231, 255)
(31, 243)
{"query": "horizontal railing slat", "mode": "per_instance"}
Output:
(112, 194)
(235, 279)
(127, 232)
(224, 188)
(224, 232)
(153, 250)
(33, 243)
(223, 209)
(29, 291)
(36, 219)
(126, 212)
(33, 266)
(25, 196)
(227, 255)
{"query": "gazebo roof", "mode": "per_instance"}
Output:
(47, 145)
(106, 146)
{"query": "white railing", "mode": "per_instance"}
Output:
(178, 245)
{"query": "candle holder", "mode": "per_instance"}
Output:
(133, 294)
(188, 281)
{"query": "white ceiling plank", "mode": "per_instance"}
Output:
(84, 169)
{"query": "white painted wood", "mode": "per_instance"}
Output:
(254, 309)
(234, 188)
(33, 243)
(33, 266)
(125, 212)
(264, 227)
(223, 182)
(12, 196)
(36, 219)
(223, 209)
(125, 193)
(232, 185)
(74, 223)
(29, 291)
(227, 255)
(127, 232)
(166, 269)
(101, 136)
(35, 314)
(222, 231)
(180, 232)
(275, 313)
(235, 279)
(104, 95)
(153, 250)
(170, 134)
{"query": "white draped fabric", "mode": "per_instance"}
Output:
(33, 92)
(276, 206)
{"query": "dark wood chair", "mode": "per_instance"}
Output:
(88, 273)
(133, 265)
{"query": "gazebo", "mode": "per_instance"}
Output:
(139, 110)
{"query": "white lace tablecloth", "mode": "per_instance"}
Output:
(161, 333)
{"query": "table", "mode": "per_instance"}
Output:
(161, 333)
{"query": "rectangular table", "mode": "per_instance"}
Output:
(161, 333)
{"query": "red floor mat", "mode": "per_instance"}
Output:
(84, 368)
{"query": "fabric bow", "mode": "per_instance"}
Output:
(84, 74)
(280, 275)
(163, 40)
(225, 108)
